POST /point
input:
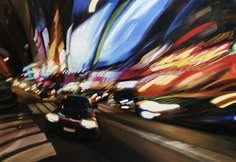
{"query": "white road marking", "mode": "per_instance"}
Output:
(189, 150)
(19, 133)
(36, 153)
(34, 109)
(50, 106)
(42, 108)
(14, 123)
(39, 108)
(21, 143)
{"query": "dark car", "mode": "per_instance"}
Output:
(124, 97)
(75, 115)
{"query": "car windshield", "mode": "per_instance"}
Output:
(76, 107)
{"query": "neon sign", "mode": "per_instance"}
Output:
(191, 57)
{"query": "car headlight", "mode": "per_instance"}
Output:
(89, 124)
(149, 115)
(52, 117)
(156, 107)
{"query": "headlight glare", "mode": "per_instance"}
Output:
(89, 124)
(52, 117)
